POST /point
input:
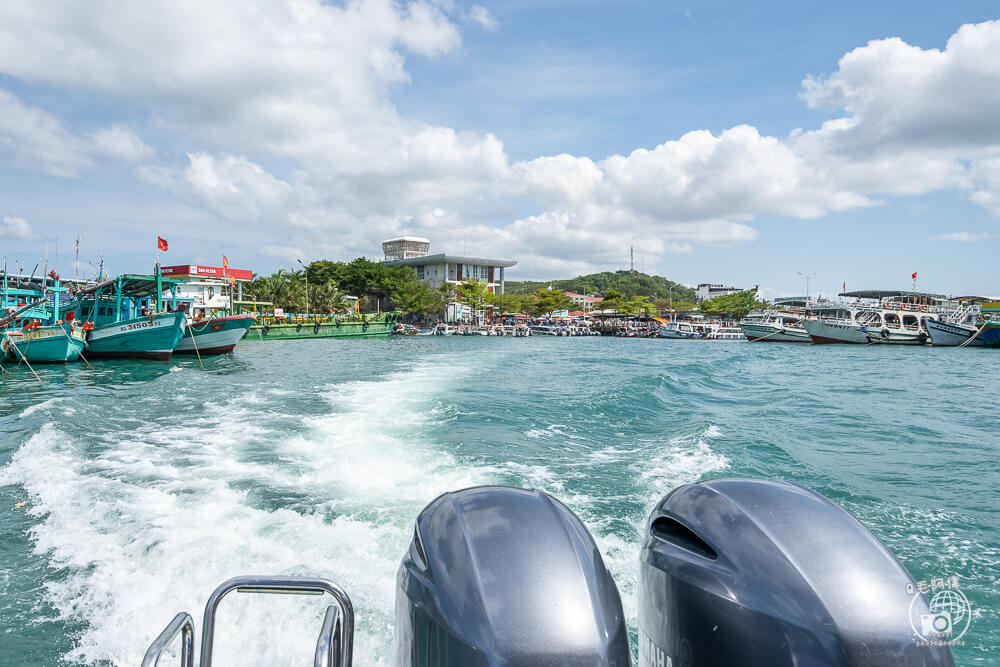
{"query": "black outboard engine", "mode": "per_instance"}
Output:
(498, 576)
(740, 572)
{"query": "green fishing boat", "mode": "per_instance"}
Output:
(32, 328)
(127, 317)
(292, 327)
(48, 344)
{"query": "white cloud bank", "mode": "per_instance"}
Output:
(286, 112)
(16, 229)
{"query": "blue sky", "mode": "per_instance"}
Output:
(728, 142)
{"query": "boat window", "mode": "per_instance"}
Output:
(910, 322)
(892, 320)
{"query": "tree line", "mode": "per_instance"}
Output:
(381, 287)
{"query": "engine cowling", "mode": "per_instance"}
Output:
(508, 577)
(742, 572)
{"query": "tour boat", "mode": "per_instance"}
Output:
(680, 331)
(735, 572)
(883, 317)
(774, 326)
(729, 333)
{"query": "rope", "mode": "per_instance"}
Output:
(773, 333)
(81, 351)
(195, 343)
(973, 336)
(21, 355)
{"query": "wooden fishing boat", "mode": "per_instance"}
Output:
(216, 335)
(43, 344)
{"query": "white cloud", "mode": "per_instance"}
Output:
(284, 112)
(16, 229)
(121, 143)
(482, 16)
(33, 139)
(961, 237)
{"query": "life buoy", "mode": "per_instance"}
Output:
(923, 309)
(885, 333)
(298, 327)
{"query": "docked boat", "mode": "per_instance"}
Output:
(729, 333)
(680, 331)
(35, 328)
(43, 344)
(729, 573)
(130, 319)
(215, 335)
(294, 327)
(212, 326)
(543, 330)
(877, 316)
(774, 326)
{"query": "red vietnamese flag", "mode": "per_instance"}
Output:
(914, 276)
(225, 262)
(161, 243)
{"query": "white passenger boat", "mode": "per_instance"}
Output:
(680, 331)
(729, 333)
(879, 316)
(543, 330)
(775, 326)
(957, 328)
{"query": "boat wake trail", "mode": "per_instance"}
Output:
(141, 524)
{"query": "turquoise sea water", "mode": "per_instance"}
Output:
(149, 483)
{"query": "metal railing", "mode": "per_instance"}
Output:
(182, 623)
(334, 646)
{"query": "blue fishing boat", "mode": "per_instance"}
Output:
(32, 328)
(127, 317)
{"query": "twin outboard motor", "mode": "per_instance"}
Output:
(733, 573)
(498, 576)
(742, 572)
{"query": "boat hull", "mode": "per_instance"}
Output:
(673, 334)
(990, 334)
(54, 344)
(826, 331)
(767, 332)
(139, 338)
(376, 328)
(218, 335)
(946, 334)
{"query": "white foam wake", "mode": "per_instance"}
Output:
(167, 512)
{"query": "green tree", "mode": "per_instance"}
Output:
(412, 295)
(737, 305)
(549, 301)
(475, 294)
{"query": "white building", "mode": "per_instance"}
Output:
(405, 247)
(445, 267)
(711, 290)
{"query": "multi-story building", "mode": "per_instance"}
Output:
(584, 301)
(711, 290)
(445, 267)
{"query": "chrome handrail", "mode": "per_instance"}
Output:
(328, 644)
(287, 586)
(182, 623)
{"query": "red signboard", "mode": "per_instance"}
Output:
(198, 271)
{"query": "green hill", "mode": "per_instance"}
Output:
(628, 283)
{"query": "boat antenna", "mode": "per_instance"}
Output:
(76, 270)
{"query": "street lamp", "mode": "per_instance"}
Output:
(306, 271)
(806, 276)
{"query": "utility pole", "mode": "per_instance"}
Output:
(76, 269)
(306, 271)
(631, 259)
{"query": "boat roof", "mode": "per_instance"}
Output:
(889, 294)
(139, 285)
